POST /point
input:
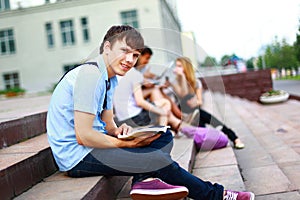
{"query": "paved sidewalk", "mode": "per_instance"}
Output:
(16, 107)
(291, 86)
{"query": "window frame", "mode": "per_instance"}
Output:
(12, 81)
(4, 5)
(49, 35)
(67, 31)
(130, 17)
(7, 42)
(85, 29)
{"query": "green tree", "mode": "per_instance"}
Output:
(209, 62)
(279, 55)
(250, 63)
(225, 59)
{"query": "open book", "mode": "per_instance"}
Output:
(159, 79)
(144, 132)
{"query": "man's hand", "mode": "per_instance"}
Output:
(124, 129)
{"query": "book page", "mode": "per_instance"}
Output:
(144, 132)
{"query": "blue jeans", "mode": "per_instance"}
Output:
(141, 163)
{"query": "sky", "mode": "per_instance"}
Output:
(243, 27)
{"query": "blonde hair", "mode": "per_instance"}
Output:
(189, 71)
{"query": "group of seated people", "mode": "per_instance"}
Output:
(84, 137)
(140, 102)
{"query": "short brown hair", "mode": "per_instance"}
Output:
(132, 37)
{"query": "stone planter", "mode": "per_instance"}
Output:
(274, 96)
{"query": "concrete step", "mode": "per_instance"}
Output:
(59, 186)
(23, 165)
(219, 166)
(21, 128)
(28, 171)
(267, 163)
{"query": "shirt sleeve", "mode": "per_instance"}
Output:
(88, 89)
(198, 84)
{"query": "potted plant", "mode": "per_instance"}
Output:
(15, 91)
(274, 96)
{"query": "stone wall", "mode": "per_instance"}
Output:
(249, 85)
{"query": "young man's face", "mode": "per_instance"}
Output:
(144, 60)
(120, 58)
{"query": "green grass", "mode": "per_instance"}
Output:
(297, 78)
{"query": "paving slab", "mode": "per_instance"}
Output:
(253, 155)
(264, 161)
(229, 176)
(58, 187)
(266, 180)
(292, 171)
(218, 157)
(280, 196)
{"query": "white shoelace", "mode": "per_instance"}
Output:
(231, 195)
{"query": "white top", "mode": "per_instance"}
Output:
(124, 102)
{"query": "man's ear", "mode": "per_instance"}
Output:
(107, 47)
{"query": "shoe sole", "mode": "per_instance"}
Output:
(170, 196)
(239, 147)
(252, 196)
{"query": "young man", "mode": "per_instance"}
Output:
(138, 106)
(83, 135)
(143, 61)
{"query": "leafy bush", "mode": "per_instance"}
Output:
(16, 90)
(11, 91)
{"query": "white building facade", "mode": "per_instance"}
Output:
(38, 44)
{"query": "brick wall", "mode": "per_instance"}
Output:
(249, 85)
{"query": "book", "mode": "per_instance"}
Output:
(147, 131)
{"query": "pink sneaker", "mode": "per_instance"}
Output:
(157, 189)
(233, 195)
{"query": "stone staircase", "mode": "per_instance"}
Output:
(28, 170)
(270, 163)
(268, 166)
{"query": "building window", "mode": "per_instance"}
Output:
(7, 42)
(130, 18)
(67, 32)
(4, 5)
(49, 34)
(85, 29)
(11, 80)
